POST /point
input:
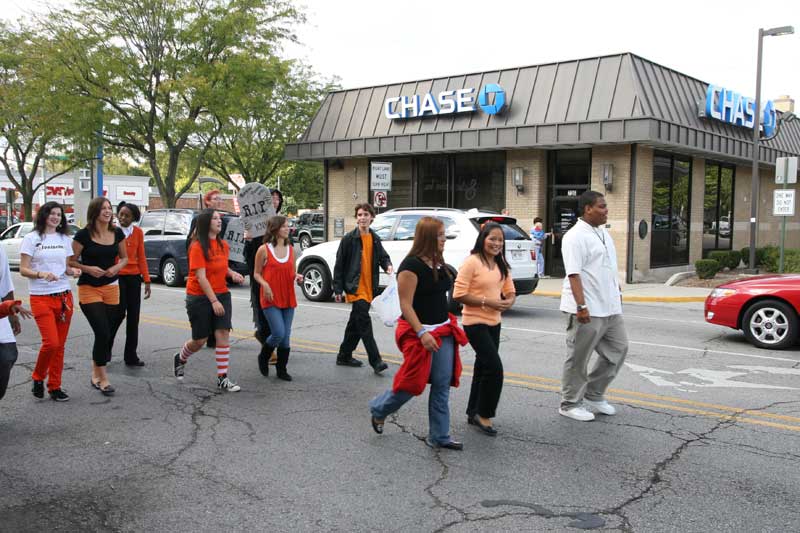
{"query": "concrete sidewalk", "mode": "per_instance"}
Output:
(637, 292)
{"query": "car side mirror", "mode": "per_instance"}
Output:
(451, 235)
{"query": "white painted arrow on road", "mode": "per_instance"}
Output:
(708, 378)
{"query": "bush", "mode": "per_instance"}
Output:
(734, 258)
(771, 262)
(768, 258)
(745, 255)
(722, 257)
(706, 268)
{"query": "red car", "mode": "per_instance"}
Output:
(765, 308)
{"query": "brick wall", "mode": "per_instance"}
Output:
(696, 204)
(532, 201)
(189, 201)
(643, 210)
(343, 184)
(617, 198)
(769, 227)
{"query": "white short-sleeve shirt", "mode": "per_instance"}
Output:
(48, 253)
(6, 286)
(589, 252)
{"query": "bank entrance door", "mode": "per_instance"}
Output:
(569, 173)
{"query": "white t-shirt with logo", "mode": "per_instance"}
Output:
(6, 286)
(48, 253)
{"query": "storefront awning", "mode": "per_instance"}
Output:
(614, 99)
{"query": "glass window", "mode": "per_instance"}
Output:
(718, 208)
(479, 181)
(400, 195)
(406, 227)
(383, 224)
(669, 237)
(572, 168)
(432, 180)
(177, 224)
(9, 233)
(25, 229)
(152, 223)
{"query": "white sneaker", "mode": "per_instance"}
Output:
(576, 413)
(225, 384)
(602, 407)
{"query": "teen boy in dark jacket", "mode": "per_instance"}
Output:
(356, 275)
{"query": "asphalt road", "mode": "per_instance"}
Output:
(706, 438)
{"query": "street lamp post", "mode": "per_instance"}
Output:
(755, 179)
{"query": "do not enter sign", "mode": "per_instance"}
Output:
(381, 199)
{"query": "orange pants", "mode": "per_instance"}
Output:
(48, 311)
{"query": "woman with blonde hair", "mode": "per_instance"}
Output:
(427, 335)
(99, 252)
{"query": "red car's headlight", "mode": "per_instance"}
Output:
(722, 293)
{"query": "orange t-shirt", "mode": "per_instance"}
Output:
(280, 277)
(477, 279)
(364, 291)
(216, 267)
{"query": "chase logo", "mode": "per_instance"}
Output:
(492, 99)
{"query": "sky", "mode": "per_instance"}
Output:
(375, 42)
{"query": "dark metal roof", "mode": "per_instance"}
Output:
(610, 99)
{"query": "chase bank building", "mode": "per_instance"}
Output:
(672, 154)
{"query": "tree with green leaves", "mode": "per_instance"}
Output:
(38, 122)
(273, 109)
(167, 72)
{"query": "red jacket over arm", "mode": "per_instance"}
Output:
(415, 371)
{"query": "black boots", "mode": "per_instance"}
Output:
(263, 358)
(283, 358)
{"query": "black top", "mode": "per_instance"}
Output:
(95, 254)
(430, 297)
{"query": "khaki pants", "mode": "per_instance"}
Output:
(606, 336)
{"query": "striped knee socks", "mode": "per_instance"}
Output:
(186, 352)
(223, 355)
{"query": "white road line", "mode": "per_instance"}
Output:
(653, 318)
(335, 307)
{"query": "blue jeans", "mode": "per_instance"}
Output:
(280, 325)
(438, 399)
(540, 261)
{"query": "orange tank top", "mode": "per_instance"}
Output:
(279, 273)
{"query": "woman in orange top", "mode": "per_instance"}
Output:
(274, 271)
(485, 287)
(130, 282)
(208, 300)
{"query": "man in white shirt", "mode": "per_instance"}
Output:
(592, 299)
(8, 327)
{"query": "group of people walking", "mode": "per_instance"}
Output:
(110, 264)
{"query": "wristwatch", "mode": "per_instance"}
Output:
(582, 307)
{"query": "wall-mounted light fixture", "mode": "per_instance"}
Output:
(608, 176)
(517, 174)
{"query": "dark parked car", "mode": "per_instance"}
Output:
(309, 229)
(165, 234)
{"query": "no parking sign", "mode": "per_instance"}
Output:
(381, 199)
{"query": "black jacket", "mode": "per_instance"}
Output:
(347, 270)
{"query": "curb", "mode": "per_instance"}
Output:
(631, 298)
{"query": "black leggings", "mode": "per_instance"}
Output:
(487, 378)
(101, 317)
(8, 356)
(130, 304)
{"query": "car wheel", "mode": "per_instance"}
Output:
(452, 305)
(305, 242)
(170, 273)
(770, 324)
(316, 283)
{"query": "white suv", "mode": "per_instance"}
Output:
(396, 230)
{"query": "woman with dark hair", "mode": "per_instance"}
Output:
(251, 247)
(130, 283)
(485, 288)
(427, 335)
(99, 252)
(208, 300)
(275, 274)
(43, 259)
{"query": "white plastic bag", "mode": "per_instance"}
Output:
(387, 305)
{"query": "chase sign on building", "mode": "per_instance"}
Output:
(491, 99)
(729, 106)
